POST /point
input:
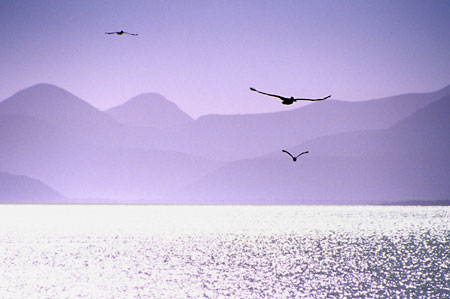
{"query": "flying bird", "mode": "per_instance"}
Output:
(294, 158)
(121, 33)
(288, 101)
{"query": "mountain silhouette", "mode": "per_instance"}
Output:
(232, 137)
(80, 121)
(22, 189)
(405, 162)
(56, 106)
(387, 149)
(149, 110)
(432, 117)
(82, 169)
(425, 132)
(50, 134)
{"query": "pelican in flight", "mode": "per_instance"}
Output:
(288, 101)
(294, 158)
(121, 33)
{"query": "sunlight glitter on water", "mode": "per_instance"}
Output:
(224, 251)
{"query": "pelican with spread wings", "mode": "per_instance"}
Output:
(294, 158)
(121, 33)
(288, 101)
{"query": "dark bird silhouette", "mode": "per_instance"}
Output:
(294, 158)
(288, 101)
(121, 33)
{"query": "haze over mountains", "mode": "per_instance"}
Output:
(87, 154)
(55, 106)
(148, 150)
(247, 136)
(149, 110)
(21, 189)
(407, 162)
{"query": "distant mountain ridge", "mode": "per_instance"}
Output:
(149, 110)
(251, 135)
(55, 105)
(82, 169)
(433, 116)
(50, 134)
(391, 149)
(22, 189)
(408, 162)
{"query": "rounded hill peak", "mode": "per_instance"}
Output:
(149, 110)
(53, 104)
(150, 99)
(44, 85)
(42, 92)
(43, 95)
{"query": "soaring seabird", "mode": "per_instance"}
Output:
(288, 101)
(294, 158)
(121, 33)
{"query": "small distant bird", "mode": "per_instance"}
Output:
(294, 158)
(288, 101)
(121, 33)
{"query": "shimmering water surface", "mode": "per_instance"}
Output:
(224, 252)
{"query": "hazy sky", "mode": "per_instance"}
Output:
(204, 55)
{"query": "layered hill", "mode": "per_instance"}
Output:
(149, 110)
(383, 150)
(407, 162)
(232, 137)
(22, 189)
(88, 170)
(49, 134)
(61, 109)
(56, 106)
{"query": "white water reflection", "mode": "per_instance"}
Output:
(224, 251)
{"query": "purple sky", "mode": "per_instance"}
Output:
(204, 55)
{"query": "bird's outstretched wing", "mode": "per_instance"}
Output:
(302, 154)
(313, 100)
(267, 94)
(130, 33)
(288, 153)
(111, 32)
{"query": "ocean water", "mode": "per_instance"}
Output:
(89, 251)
